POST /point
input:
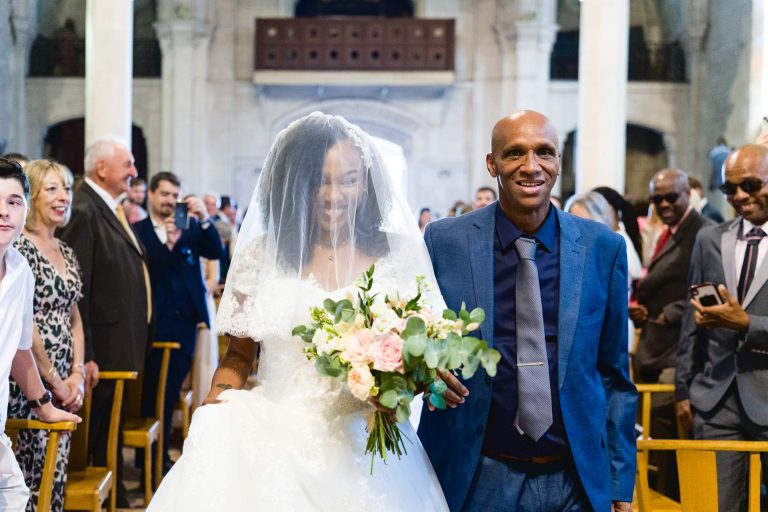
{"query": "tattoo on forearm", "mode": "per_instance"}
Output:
(224, 386)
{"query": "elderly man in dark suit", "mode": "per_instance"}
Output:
(661, 298)
(116, 305)
(722, 371)
(663, 293)
(173, 253)
(554, 430)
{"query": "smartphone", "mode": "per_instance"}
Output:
(706, 294)
(181, 215)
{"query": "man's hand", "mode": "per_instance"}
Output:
(684, 415)
(455, 393)
(196, 208)
(621, 506)
(174, 233)
(729, 315)
(638, 314)
(50, 414)
(91, 375)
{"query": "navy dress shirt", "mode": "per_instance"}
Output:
(501, 436)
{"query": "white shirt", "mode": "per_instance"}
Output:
(160, 230)
(17, 290)
(741, 247)
(103, 194)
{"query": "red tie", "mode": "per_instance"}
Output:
(661, 243)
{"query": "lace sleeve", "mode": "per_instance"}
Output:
(242, 311)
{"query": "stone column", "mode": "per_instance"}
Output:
(108, 69)
(601, 132)
(526, 32)
(22, 35)
(184, 39)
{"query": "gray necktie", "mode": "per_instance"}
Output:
(534, 400)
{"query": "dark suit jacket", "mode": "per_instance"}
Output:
(177, 280)
(114, 303)
(665, 289)
(709, 360)
(597, 399)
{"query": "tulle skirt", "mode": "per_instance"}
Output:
(254, 453)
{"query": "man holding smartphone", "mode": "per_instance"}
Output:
(176, 234)
(722, 370)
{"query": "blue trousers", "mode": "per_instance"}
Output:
(525, 487)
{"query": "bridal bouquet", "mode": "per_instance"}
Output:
(391, 347)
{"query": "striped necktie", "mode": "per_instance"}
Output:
(750, 262)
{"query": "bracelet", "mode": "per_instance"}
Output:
(78, 368)
(47, 397)
(50, 374)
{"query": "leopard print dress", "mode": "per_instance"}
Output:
(54, 297)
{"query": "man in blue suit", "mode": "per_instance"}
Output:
(173, 258)
(575, 449)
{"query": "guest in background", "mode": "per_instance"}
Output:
(700, 202)
(58, 332)
(593, 206)
(226, 225)
(20, 159)
(483, 197)
(133, 204)
(17, 289)
(212, 201)
(425, 217)
(116, 306)
(173, 255)
(459, 208)
(625, 224)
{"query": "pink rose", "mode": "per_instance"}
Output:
(357, 346)
(387, 353)
(360, 381)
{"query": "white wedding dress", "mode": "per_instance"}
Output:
(296, 441)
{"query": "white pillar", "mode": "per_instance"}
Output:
(23, 35)
(184, 43)
(108, 68)
(601, 132)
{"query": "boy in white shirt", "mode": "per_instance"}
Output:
(17, 287)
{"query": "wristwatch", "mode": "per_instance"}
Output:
(206, 224)
(47, 397)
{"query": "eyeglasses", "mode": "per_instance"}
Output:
(671, 198)
(748, 185)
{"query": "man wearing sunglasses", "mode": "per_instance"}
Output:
(722, 371)
(661, 298)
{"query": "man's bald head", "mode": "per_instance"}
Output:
(670, 194)
(514, 121)
(525, 162)
(748, 168)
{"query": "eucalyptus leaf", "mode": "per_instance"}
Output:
(402, 413)
(470, 367)
(388, 399)
(330, 306)
(477, 316)
(438, 387)
(431, 354)
(437, 400)
(450, 314)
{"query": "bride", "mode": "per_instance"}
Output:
(323, 211)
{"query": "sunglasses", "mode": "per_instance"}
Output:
(749, 185)
(671, 198)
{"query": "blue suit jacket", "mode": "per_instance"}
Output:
(597, 399)
(179, 269)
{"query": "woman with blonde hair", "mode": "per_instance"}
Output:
(58, 343)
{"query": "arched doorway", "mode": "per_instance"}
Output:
(646, 153)
(65, 143)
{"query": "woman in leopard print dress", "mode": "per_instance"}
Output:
(58, 336)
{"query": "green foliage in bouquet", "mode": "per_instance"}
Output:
(387, 350)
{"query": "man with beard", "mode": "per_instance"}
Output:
(173, 256)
